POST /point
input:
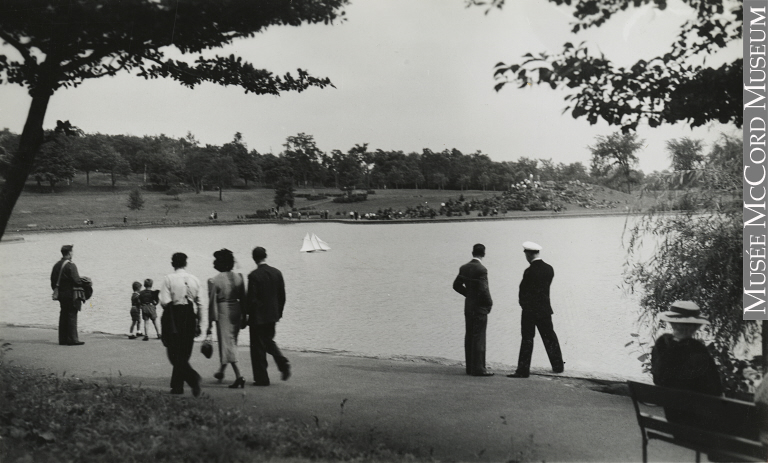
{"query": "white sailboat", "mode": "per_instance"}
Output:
(313, 243)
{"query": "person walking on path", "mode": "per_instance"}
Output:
(537, 313)
(266, 300)
(472, 283)
(65, 277)
(180, 298)
(226, 294)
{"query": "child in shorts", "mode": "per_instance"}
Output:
(135, 311)
(148, 299)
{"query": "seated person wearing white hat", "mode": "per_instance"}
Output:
(680, 362)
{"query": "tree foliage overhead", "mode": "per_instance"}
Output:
(665, 89)
(61, 44)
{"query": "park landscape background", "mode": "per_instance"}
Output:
(92, 177)
(425, 83)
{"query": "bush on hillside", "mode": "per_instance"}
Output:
(135, 200)
(351, 198)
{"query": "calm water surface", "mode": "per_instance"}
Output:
(383, 289)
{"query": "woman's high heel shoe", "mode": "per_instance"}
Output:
(239, 382)
(219, 375)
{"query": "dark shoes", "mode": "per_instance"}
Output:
(239, 382)
(285, 372)
(560, 369)
(485, 373)
(261, 383)
(131, 337)
(146, 338)
(196, 386)
(177, 391)
(517, 374)
(78, 343)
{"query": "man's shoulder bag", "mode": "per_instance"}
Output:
(55, 295)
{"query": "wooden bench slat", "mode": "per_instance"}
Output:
(729, 427)
(699, 439)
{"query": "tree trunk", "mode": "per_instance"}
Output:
(114, 180)
(764, 335)
(22, 162)
(87, 179)
(221, 188)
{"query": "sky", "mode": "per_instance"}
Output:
(408, 75)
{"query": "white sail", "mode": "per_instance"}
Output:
(307, 245)
(315, 244)
(323, 245)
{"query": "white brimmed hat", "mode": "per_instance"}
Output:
(531, 246)
(684, 312)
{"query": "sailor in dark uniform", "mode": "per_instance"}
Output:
(537, 313)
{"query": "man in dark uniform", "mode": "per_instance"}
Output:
(472, 283)
(265, 301)
(537, 313)
(65, 275)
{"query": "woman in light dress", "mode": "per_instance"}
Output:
(226, 293)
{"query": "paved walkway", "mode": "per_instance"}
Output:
(434, 408)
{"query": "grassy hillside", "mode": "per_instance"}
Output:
(73, 204)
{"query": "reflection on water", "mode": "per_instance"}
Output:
(383, 290)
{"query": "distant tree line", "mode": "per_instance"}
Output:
(165, 163)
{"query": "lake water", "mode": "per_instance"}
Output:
(383, 290)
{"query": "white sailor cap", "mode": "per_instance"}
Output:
(531, 246)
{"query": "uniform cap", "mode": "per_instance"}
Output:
(531, 246)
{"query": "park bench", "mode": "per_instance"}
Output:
(726, 429)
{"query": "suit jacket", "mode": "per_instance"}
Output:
(534, 288)
(69, 279)
(266, 295)
(472, 283)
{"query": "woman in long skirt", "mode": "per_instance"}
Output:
(226, 292)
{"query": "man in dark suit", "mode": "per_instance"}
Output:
(265, 300)
(65, 275)
(537, 312)
(472, 283)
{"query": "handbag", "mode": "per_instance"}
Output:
(55, 295)
(207, 347)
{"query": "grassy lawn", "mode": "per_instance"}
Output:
(48, 418)
(71, 205)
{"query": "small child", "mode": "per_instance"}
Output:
(135, 311)
(148, 299)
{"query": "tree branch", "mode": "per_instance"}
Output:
(18, 46)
